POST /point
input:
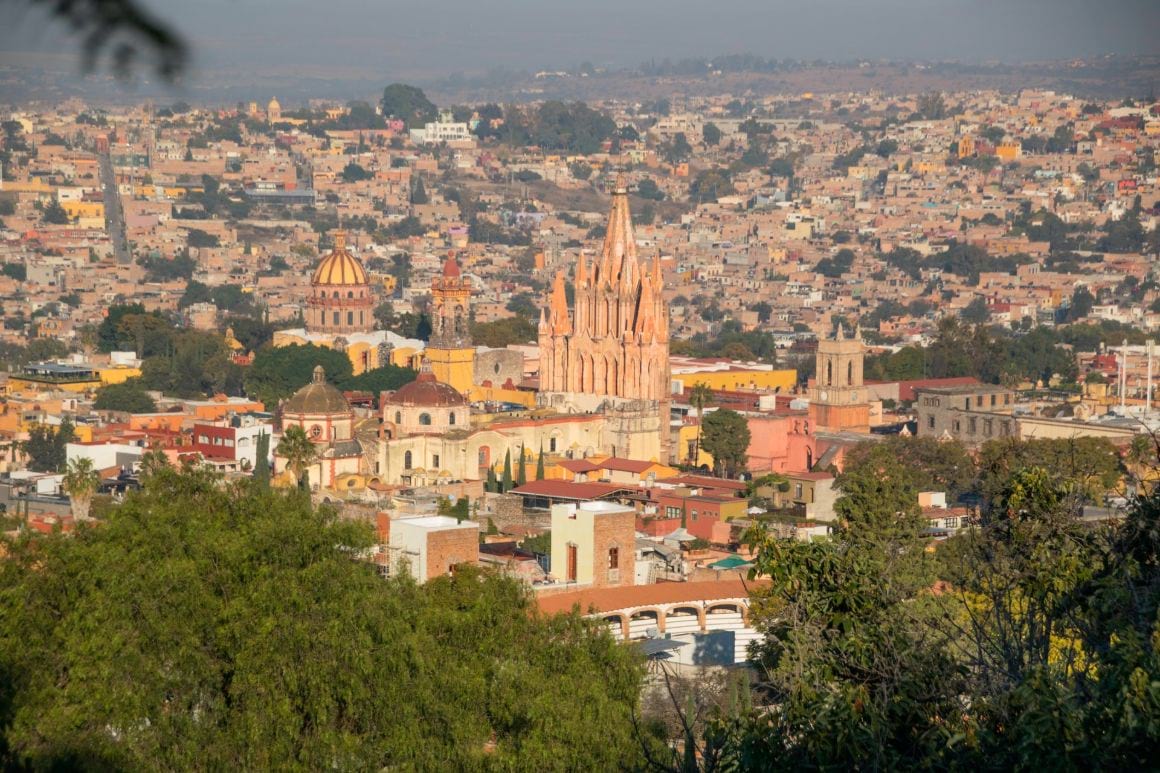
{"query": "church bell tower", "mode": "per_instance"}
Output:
(450, 352)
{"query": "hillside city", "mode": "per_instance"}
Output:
(657, 364)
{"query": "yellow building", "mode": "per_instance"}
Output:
(41, 376)
(1009, 151)
(88, 210)
(732, 376)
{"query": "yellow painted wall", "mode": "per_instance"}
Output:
(117, 375)
(454, 367)
(735, 380)
(86, 209)
(688, 434)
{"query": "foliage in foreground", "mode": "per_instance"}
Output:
(1033, 641)
(214, 626)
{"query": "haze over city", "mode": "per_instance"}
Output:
(352, 40)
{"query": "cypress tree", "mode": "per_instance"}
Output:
(262, 465)
(491, 484)
(506, 483)
(540, 465)
(522, 475)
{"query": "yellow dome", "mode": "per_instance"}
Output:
(340, 267)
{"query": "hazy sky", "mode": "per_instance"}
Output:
(388, 39)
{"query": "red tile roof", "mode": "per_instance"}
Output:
(566, 489)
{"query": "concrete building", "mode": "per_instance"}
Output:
(973, 413)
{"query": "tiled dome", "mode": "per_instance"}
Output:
(340, 267)
(426, 392)
(317, 397)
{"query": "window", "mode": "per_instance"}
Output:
(614, 557)
(425, 419)
(930, 422)
(398, 417)
(972, 425)
(694, 514)
(672, 512)
(350, 318)
(797, 491)
(335, 317)
(994, 399)
(829, 374)
(350, 293)
(435, 461)
(451, 418)
(1006, 399)
(552, 445)
(407, 461)
(1004, 428)
(958, 426)
(849, 374)
(951, 523)
(988, 427)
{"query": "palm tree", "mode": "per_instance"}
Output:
(298, 451)
(699, 396)
(81, 482)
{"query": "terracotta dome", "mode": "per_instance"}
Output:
(451, 268)
(340, 267)
(317, 397)
(426, 392)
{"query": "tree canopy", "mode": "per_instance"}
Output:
(408, 103)
(278, 372)
(725, 436)
(130, 397)
(225, 626)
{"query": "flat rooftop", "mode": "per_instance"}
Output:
(436, 523)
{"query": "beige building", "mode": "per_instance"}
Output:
(594, 543)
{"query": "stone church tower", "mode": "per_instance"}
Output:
(838, 398)
(610, 351)
(450, 353)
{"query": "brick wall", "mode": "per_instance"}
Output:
(450, 547)
(614, 529)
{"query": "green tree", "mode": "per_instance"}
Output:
(932, 464)
(382, 379)
(407, 103)
(129, 397)
(976, 312)
(711, 133)
(55, 214)
(725, 435)
(710, 185)
(47, 448)
(419, 193)
(503, 332)
(298, 451)
(540, 464)
(262, 463)
(505, 484)
(278, 372)
(522, 468)
(218, 625)
(81, 483)
(353, 172)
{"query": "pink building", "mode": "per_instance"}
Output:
(782, 442)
